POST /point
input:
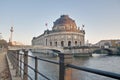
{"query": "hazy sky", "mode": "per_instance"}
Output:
(28, 17)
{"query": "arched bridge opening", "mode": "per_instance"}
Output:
(109, 51)
(103, 51)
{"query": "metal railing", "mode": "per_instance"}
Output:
(20, 63)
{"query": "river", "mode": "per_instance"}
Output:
(107, 63)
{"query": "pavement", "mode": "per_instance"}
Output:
(4, 70)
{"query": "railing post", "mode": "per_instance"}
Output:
(14, 61)
(36, 68)
(61, 67)
(25, 76)
(20, 65)
(10, 56)
(65, 73)
(17, 64)
(68, 71)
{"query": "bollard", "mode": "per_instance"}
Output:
(36, 68)
(25, 77)
(65, 73)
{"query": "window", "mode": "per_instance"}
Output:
(56, 44)
(69, 36)
(62, 36)
(75, 43)
(69, 43)
(50, 43)
(62, 43)
(75, 37)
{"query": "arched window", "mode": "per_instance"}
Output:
(62, 43)
(50, 43)
(75, 43)
(46, 42)
(56, 44)
(69, 43)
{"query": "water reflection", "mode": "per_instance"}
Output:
(107, 63)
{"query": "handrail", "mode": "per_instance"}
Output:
(50, 61)
(95, 71)
(46, 60)
(33, 68)
(14, 57)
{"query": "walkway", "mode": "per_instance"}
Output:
(4, 71)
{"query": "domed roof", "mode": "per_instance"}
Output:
(64, 23)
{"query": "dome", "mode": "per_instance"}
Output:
(64, 23)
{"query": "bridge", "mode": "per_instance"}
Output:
(76, 50)
(104, 51)
(109, 51)
(37, 48)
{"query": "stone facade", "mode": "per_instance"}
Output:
(64, 33)
(109, 43)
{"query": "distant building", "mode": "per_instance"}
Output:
(16, 43)
(64, 33)
(0, 36)
(108, 43)
(3, 45)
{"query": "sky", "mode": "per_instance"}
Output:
(28, 17)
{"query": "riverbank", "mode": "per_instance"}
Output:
(4, 70)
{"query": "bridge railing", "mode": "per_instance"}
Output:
(20, 63)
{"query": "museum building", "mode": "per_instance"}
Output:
(64, 33)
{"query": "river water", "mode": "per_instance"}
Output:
(106, 63)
